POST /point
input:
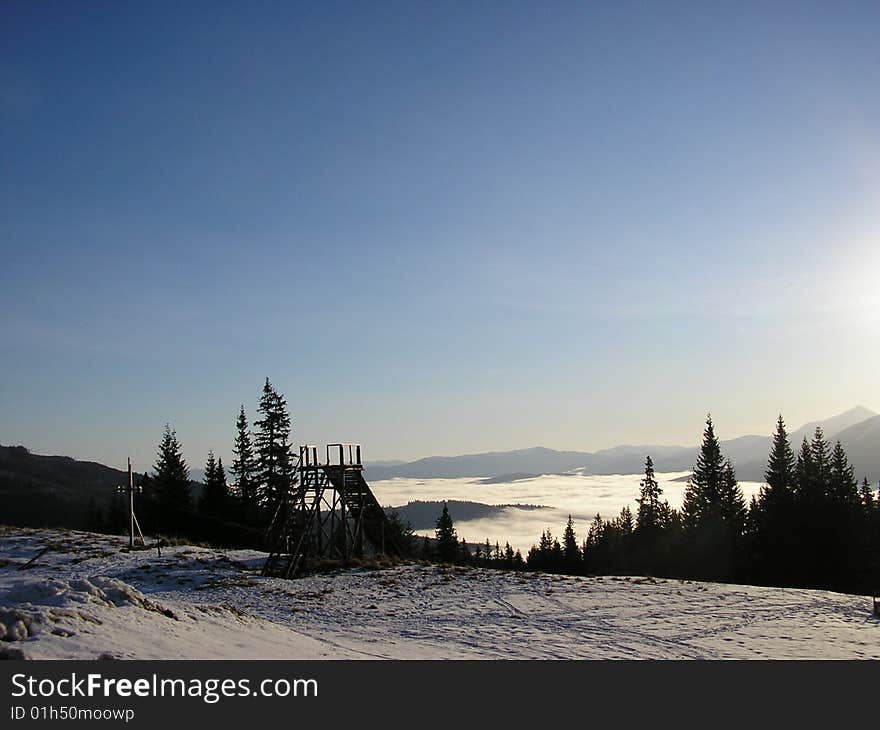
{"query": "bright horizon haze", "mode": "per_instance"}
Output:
(438, 228)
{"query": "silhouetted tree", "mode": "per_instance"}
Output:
(171, 483)
(713, 512)
(571, 552)
(244, 467)
(214, 495)
(274, 465)
(447, 540)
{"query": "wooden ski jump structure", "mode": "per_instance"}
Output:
(329, 512)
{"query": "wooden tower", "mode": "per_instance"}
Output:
(330, 513)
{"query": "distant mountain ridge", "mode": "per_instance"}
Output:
(59, 490)
(858, 430)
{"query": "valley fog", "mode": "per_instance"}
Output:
(581, 496)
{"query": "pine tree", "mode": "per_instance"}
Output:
(842, 484)
(714, 514)
(571, 551)
(274, 465)
(447, 540)
(625, 521)
(733, 502)
(821, 462)
(773, 516)
(244, 465)
(805, 473)
(509, 556)
(780, 473)
(213, 499)
(171, 483)
(650, 512)
(464, 553)
(702, 497)
(866, 497)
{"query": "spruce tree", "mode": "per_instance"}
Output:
(866, 497)
(842, 484)
(650, 512)
(821, 462)
(733, 502)
(244, 465)
(714, 513)
(805, 472)
(702, 497)
(780, 473)
(214, 494)
(447, 540)
(571, 552)
(274, 464)
(464, 553)
(171, 483)
(773, 517)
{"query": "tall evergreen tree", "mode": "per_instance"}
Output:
(214, 495)
(805, 473)
(842, 484)
(650, 511)
(733, 502)
(820, 452)
(714, 514)
(773, 517)
(274, 464)
(447, 541)
(866, 497)
(171, 483)
(244, 464)
(570, 549)
(780, 473)
(702, 497)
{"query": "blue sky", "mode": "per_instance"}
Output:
(437, 227)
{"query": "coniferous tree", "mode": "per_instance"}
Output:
(509, 556)
(805, 473)
(702, 497)
(171, 483)
(464, 553)
(650, 512)
(447, 540)
(821, 463)
(272, 442)
(780, 473)
(733, 503)
(843, 487)
(713, 512)
(772, 516)
(214, 494)
(571, 552)
(244, 466)
(866, 497)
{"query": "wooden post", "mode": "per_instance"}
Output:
(130, 506)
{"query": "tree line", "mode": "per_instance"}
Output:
(227, 511)
(812, 525)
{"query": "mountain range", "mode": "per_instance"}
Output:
(58, 490)
(858, 429)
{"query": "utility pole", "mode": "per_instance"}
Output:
(133, 522)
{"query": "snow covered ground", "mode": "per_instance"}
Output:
(76, 595)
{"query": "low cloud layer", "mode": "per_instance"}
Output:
(581, 496)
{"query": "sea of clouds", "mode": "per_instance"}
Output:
(579, 495)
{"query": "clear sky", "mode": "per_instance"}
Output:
(437, 227)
